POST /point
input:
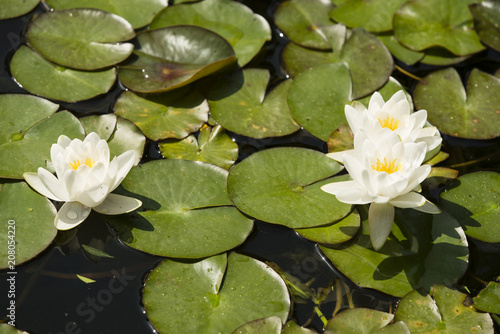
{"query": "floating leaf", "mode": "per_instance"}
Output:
(173, 57)
(169, 115)
(41, 77)
(473, 199)
(291, 327)
(444, 311)
(447, 23)
(302, 20)
(187, 212)
(103, 125)
(358, 321)
(282, 186)
(30, 149)
(248, 111)
(487, 22)
(441, 57)
(213, 295)
(27, 224)
(90, 38)
(85, 279)
(270, 325)
(138, 12)
(341, 139)
(244, 30)
(373, 15)
(95, 251)
(488, 300)
(15, 8)
(213, 146)
(398, 50)
(473, 114)
(422, 250)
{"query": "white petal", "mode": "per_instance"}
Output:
(103, 149)
(409, 200)
(94, 196)
(380, 219)
(63, 141)
(376, 101)
(428, 207)
(53, 184)
(117, 204)
(92, 138)
(420, 117)
(348, 192)
(338, 156)
(124, 163)
(34, 181)
(417, 176)
(71, 215)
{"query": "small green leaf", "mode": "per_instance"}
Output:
(95, 251)
(85, 279)
(488, 300)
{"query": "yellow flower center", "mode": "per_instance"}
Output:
(388, 167)
(389, 122)
(77, 163)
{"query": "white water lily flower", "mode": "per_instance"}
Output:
(385, 172)
(85, 178)
(391, 116)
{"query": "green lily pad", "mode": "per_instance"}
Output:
(168, 115)
(358, 321)
(186, 210)
(214, 295)
(15, 8)
(244, 30)
(138, 12)
(8, 329)
(448, 23)
(487, 22)
(473, 199)
(282, 186)
(27, 224)
(103, 125)
(269, 325)
(291, 327)
(249, 111)
(368, 73)
(213, 146)
(488, 300)
(27, 150)
(317, 102)
(41, 77)
(398, 50)
(444, 311)
(372, 15)
(302, 20)
(441, 57)
(334, 233)
(422, 250)
(473, 114)
(173, 57)
(91, 38)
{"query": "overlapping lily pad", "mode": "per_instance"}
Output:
(444, 310)
(42, 77)
(175, 56)
(282, 186)
(168, 115)
(91, 38)
(214, 295)
(27, 223)
(213, 146)
(473, 199)
(302, 20)
(487, 22)
(360, 321)
(398, 50)
(28, 147)
(138, 12)
(249, 111)
(446, 23)
(422, 250)
(474, 113)
(186, 210)
(244, 30)
(14, 8)
(269, 325)
(488, 300)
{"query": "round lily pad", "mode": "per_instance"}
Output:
(42, 77)
(358, 321)
(422, 250)
(28, 149)
(138, 12)
(168, 115)
(421, 24)
(27, 223)
(213, 295)
(488, 300)
(269, 325)
(173, 57)
(444, 311)
(372, 15)
(473, 200)
(244, 30)
(317, 98)
(473, 114)
(91, 38)
(213, 146)
(487, 22)
(249, 111)
(186, 210)
(282, 186)
(15, 8)
(302, 20)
